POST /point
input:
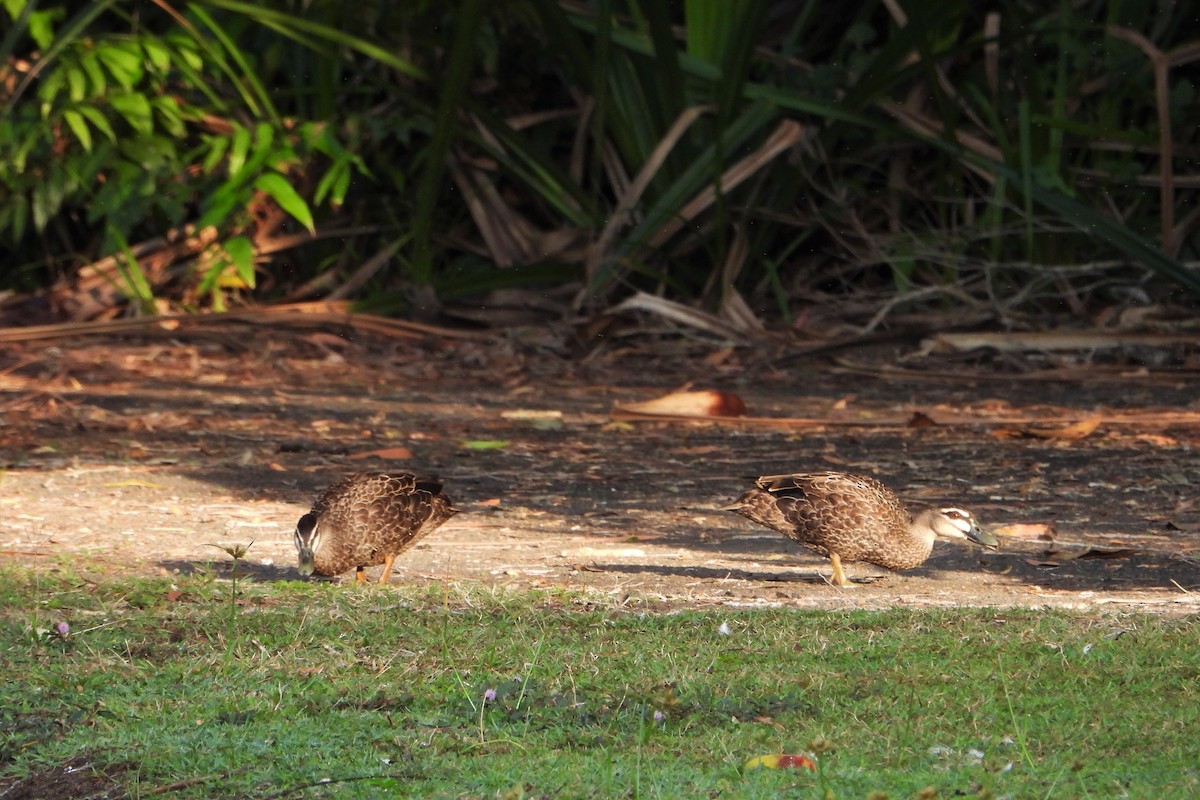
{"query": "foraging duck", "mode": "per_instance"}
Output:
(854, 518)
(368, 519)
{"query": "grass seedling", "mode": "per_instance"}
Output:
(237, 552)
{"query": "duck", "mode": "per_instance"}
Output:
(850, 517)
(368, 519)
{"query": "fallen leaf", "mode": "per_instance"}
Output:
(689, 404)
(1157, 439)
(1101, 552)
(1041, 562)
(921, 420)
(485, 444)
(491, 501)
(781, 761)
(397, 453)
(529, 414)
(1037, 531)
(1076, 430)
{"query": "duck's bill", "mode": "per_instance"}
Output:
(981, 537)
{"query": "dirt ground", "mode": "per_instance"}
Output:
(140, 453)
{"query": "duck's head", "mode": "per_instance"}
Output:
(955, 523)
(308, 538)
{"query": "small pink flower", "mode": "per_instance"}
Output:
(659, 716)
(62, 628)
(489, 695)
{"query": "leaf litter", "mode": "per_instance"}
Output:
(551, 490)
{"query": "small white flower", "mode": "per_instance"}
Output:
(724, 629)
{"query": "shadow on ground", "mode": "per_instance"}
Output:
(143, 453)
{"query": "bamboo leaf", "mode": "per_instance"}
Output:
(241, 254)
(123, 62)
(79, 127)
(277, 187)
(99, 121)
(239, 148)
(292, 25)
(135, 109)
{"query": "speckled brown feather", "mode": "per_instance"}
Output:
(854, 516)
(368, 516)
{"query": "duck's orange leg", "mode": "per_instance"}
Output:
(839, 574)
(387, 567)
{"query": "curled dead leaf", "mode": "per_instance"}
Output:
(1076, 430)
(1037, 531)
(1107, 552)
(707, 403)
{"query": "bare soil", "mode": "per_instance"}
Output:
(142, 453)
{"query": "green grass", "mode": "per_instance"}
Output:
(383, 689)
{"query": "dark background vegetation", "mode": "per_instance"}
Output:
(992, 162)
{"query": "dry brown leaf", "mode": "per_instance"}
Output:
(1157, 439)
(921, 420)
(689, 404)
(1036, 531)
(1100, 552)
(397, 453)
(532, 414)
(1076, 430)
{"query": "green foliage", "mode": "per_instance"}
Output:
(701, 149)
(124, 127)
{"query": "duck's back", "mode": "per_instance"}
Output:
(854, 516)
(368, 516)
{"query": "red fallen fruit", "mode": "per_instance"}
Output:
(781, 761)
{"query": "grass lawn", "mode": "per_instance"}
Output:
(314, 690)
